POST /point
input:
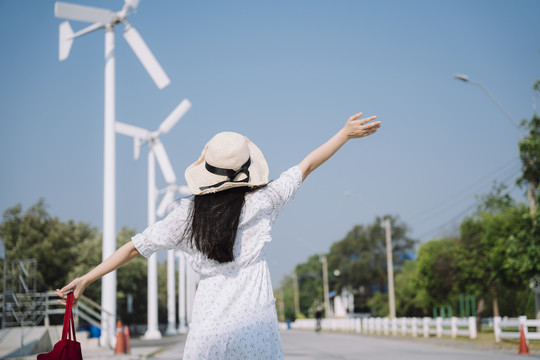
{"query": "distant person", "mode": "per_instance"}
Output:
(318, 319)
(224, 230)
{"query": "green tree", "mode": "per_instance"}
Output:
(361, 256)
(310, 285)
(410, 297)
(286, 290)
(379, 304)
(522, 260)
(65, 250)
(482, 250)
(131, 278)
(529, 151)
(437, 273)
(53, 243)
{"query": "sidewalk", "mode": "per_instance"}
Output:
(169, 347)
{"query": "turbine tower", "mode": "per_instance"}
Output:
(168, 204)
(107, 19)
(157, 151)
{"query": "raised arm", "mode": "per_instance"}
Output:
(354, 128)
(113, 262)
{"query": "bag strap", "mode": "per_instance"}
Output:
(69, 323)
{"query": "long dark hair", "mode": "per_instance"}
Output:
(214, 222)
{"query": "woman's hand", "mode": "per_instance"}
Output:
(353, 129)
(356, 128)
(113, 262)
(77, 286)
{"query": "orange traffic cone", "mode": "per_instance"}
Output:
(120, 347)
(523, 348)
(126, 338)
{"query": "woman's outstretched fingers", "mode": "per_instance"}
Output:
(358, 128)
(355, 116)
(368, 119)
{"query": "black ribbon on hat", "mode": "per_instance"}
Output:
(231, 174)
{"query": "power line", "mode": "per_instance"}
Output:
(466, 210)
(448, 202)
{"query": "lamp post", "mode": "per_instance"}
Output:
(531, 191)
(466, 79)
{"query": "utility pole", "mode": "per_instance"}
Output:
(390, 270)
(327, 310)
(296, 297)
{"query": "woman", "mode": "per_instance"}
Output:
(223, 232)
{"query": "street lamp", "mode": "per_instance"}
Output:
(466, 79)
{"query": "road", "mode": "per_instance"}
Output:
(307, 345)
(304, 345)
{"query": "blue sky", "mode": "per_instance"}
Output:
(287, 74)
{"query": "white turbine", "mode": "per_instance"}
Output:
(187, 284)
(107, 19)
(168, 204)
(157, 150)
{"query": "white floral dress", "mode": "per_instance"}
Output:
(234, 314)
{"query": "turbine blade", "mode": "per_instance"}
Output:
(174, 117)
(66, 40)
(164, 162)
(132, 3)
(167, 200)
(82, 13)
(136, 147)
(146, 57)
(130, 130)
(87, 30)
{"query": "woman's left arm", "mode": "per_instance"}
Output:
(113, 262)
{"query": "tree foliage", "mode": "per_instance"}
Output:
(529, 150)
(437, 271)
(53, 243)
(310, 285)
(65, 250)
(361, 256)
(356, 263)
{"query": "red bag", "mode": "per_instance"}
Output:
(67, 348)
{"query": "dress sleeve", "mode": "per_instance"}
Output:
(282, 190)
(166, 234)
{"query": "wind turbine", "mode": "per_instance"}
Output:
(187, 284)
(168, 204)
(107, 19)
(157, 151)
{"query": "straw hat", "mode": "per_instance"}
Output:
(228, 160)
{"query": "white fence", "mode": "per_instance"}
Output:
(403, 326)
(500, 323)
